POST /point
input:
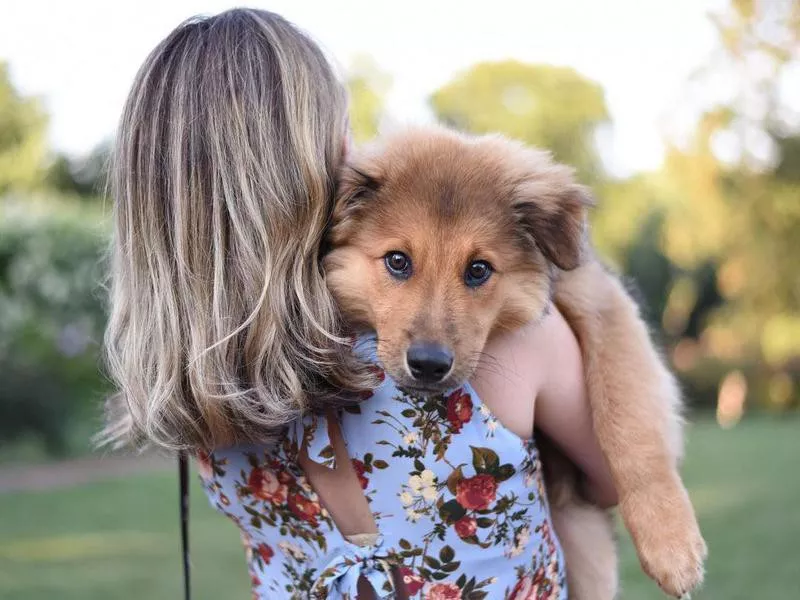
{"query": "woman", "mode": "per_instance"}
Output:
(224, 340)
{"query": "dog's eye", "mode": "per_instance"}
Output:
(398, 264)
(477, 273)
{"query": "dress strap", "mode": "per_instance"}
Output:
(312, 432)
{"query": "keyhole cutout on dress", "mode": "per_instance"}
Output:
(341, 494)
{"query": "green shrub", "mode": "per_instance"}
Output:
(51, 320)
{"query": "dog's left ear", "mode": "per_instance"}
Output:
(553, 216)
(358, 182)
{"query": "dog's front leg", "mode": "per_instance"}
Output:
(635, 405)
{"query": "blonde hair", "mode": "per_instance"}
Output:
(221, 326)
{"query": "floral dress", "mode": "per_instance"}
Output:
(458, 500)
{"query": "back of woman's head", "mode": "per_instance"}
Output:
(221, 327)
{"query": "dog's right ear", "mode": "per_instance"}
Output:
(358, 183)
(551, 211)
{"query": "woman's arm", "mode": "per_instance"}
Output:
(562, 406)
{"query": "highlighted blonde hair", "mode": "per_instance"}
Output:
(221, 327)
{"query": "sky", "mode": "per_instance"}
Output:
(80, 56)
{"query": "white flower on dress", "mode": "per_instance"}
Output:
(412, 515)
(424, 479)
(292, 550)
(429, 493)
(524, 536)
(410, 438)
(406, 498)
(424, 485)
(552, 570)
(484, 410)
(521, 540)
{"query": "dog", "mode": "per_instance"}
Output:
(530, 214)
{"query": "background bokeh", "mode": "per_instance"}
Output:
(708, 234)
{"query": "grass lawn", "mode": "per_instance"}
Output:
(119, 539)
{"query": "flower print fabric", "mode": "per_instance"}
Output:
(458, 500)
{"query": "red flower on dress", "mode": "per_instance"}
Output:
(476, 493)
(443, 591)
(466, 527)
(413, 583)
(533, 588)
(304, 509)
(204, 467)
(523, 590)
(547, 536)
(265, 485)
(265, 552)
(459, 409)
(379, 376)
(378, 372)
(360, 469)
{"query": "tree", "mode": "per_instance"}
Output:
(85, 176)
(551, 107)
(368, 86)
(736, 197)
(22, 137)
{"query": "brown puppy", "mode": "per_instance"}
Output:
(463, 205)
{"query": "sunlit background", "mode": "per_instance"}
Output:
(684, 117)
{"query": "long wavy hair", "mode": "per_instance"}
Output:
(221, 327)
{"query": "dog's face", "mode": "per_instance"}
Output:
(438, 240)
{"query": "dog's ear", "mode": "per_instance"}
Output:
(552, 214)
(358, 182)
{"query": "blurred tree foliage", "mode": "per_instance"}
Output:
(51, 321)
(551, 107)
(367, 85)
(84, 176)
(22, 137)
(736, 198)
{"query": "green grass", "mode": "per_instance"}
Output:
(119, 539)
(745, 485)
(115, 540)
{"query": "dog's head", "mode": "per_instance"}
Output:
(439, 239)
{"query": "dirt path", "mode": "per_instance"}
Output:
(78, 471)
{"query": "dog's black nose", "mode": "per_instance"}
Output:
(429, 363)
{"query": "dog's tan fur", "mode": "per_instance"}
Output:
(454, 199)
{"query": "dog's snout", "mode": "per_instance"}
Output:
(429, 362)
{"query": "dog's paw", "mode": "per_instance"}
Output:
(664, 529)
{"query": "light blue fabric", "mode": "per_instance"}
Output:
(458, 500)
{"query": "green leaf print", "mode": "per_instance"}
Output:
(451, 511)
(504, 472)
(484, 460)
(453, 479)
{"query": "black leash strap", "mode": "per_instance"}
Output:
(183, 478)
